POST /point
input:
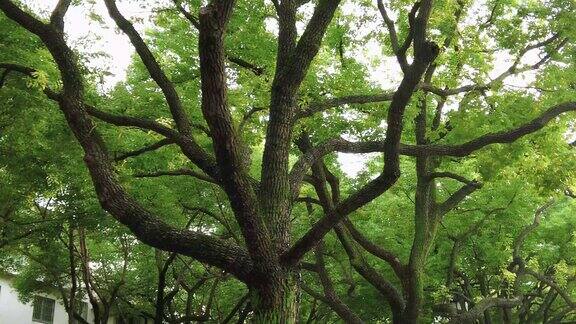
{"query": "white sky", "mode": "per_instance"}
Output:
(89, 36)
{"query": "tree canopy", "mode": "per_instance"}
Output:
(213, 183)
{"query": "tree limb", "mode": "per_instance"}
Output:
(512, 70)
(178, 172)
(330, 295)
(457, 150)
(400, 56)
(145, 149)
(376, 250)
(449, 175)
(149, 228)
(478, 310)
(454, 199)
(156, 72)
(257, 70)
(227, 144)
(320, 106)
(57, 16)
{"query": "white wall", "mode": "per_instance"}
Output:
(13, 311)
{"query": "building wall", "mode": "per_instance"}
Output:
(13, 311)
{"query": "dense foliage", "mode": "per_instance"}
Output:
(213, 184)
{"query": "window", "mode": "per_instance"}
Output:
(43, 310)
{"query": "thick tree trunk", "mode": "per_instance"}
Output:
(276, 300)
(423, 237)
(414, 297)
(426, 221)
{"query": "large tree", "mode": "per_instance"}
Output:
(316, 98)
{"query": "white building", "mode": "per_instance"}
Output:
(45, 309)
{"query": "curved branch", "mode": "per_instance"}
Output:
(450, 175)
(147, 148)
(57, 16)
(196, 154)
(113, 198)
(519, 241)
(316, 107)
(257, 70)
(514, 69)
(493, 138)
(227, 144)
(425, 52)
(392, 295)
(553, 285)
(18, 68)
(331, 297)
(156, 72)
(186, 144)
(459, 150)
(190, 17)
(454, 199)
(179, 172)
(478, 311)
(376, 250)
(400, 56)
(309, 43)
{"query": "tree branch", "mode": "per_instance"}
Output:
(187, 144)
(454, 199)
(331, 297)
(316, 107)
(309, 43)
(23, 18)
(227, 144)
(392, 295)
(450, 175)
(512, 70)
(400, 56)
(519, 241)
(562, 292)
(257, 70)
(196, 154)
(459, 150)
(179, 172)
(18, 68)
(376, 250)
(493, 138)
(293, 61)
(478, 310)
(307, 289)
(57, 17)
(149, 228)
(411, 22)
(145, 149)
(425, 53)
(156, 72)
(191, 18)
